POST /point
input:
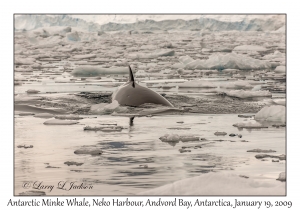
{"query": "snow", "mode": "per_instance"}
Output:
(229, 61)
(247, 93)
(220, 183)
(274, 113)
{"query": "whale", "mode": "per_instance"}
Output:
(133, 94)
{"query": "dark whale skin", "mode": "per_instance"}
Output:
(132, 94)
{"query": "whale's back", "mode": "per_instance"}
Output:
(135, 96)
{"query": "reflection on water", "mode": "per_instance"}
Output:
(135, 159)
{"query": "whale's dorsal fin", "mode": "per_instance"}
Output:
(131, 78)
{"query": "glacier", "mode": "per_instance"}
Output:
(199, 23)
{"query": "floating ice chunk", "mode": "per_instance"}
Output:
(274, 113)
(282, 177)
(177, 138)
(88, 151)
(155, 54)
(170, 138)
(68, 117)
(230, 71)
(247, 93)
(280, 157)
(103, 128)
(62, 79)
(87, 56)
(229, 61)
(26, 114)
(220, 183)
(60, 122)
(280, 101)
(240, 84)
(197, 84)
(276, 54)
(107, 108)
(97, 108)
(148, 47)
(256, 88)
(70, 163)
(92, 71)
(24, 61)
(27, 98)
(220, 133)
(166, 45)
(33, 91)
(185, 59)
(206, 50)
(178, 66)
(249, 124)
(249, 48)
(280, 69)
(44, 115)
(33, 193)
(261, 150)
(73, 36)
(71, 49)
